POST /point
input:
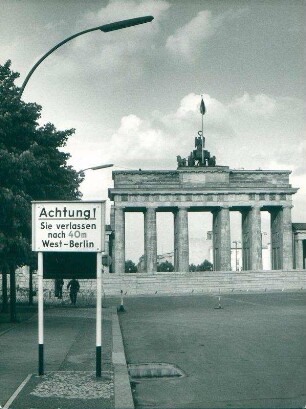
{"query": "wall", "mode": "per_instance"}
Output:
(182, 283)
(204, 282)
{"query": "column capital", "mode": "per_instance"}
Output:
(116, 208)
(217, 209)
(287, 206)
(150, 208)
(178, 208)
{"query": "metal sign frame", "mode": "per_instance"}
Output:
(68, 226)
(57, 219)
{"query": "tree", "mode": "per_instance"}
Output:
(205, 266)
(130, 267)
(165, 266)
(32, 167)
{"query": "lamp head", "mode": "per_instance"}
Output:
(118, 25)
(102, 166)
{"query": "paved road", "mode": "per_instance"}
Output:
(250, 354)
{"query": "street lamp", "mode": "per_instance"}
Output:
(118, 25)
(263, 233)
(236, 248)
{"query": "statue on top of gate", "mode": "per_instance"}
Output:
(199, 156)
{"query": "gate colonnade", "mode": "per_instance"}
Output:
(299, 245)
(218, 190)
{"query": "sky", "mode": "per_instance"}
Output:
(133, 95)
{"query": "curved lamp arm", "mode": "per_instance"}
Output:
(118, 25)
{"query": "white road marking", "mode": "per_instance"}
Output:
(17, 391)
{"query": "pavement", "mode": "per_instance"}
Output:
(69, 379)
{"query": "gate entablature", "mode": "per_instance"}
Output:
(218, 177)
(203, 187)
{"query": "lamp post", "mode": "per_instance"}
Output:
(118, 25)
(263, 253)
(263, 233)
(99, 292)
(236, 248)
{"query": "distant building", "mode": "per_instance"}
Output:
(161, 258)
(236, 257)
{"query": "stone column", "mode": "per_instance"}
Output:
(298, 253)
(112, 239)
(150, 240)
(222, 239)
(276, 239)
(108, 244)
(111, 252)
(181, 240)
(245, 227)
(281, 238)
(119, 241)
(251, 239)
(287, 252)
(175, 233)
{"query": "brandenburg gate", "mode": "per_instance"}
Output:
(215, 189)
(199, 185)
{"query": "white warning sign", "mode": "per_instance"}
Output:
(68, 226)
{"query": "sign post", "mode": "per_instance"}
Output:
(40, 278)
(70, 226)
(99, 316)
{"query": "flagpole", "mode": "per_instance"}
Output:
(202, 132)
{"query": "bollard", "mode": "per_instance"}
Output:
(121, 307)
(219, 299)
(103, 299)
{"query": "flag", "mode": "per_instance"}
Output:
(202, 107)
